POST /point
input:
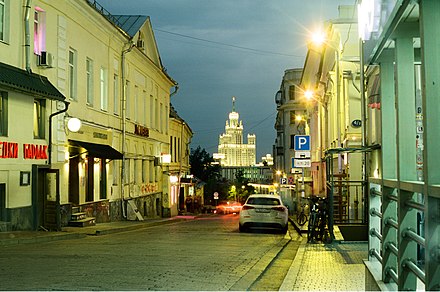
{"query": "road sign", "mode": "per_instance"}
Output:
(302, 154)
(283, 181)
(301, 163)
(301, 143)
(215, 196)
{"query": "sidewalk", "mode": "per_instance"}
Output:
(23, 237)
(327, 267)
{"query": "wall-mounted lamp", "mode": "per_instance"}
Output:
(74, 125)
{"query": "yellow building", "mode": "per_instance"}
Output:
(181, 185)
(108, 69)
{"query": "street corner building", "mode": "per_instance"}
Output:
(84, 117)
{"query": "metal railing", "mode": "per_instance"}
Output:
(398, 223)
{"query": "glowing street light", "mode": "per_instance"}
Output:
(318, 38)
(308, 94)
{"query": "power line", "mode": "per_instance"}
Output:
(228, 45)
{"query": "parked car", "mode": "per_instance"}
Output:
(228, 208)
(261, 210)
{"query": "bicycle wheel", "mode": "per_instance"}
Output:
(301, 219)
(311, 231)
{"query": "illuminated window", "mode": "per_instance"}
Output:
(89, 73)
(39, 31)
(3, 113)
(72, 74)
(104, 89)
(39, 109)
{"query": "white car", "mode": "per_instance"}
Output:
(262, 210)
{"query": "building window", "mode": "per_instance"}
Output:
(89, 73)
(136, 108)
(39, 30)
(116, 94)
(115, 172)
(151, 111)
(104, 89)
(292, 92)
(3, 113)
(72, 74)
(145, 107)
(127, 99)
(39, 110)
(3, 19)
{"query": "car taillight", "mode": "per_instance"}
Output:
(247, 207)
(279, 208)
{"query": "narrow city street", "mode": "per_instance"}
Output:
(201, 254)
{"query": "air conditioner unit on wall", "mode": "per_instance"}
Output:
(45, 59)
(140, 43)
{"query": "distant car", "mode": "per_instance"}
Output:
(262, 210)
(228, 208)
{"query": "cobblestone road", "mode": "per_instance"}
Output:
(203, 254)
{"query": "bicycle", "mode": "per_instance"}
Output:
(318, 221)
(301, 217)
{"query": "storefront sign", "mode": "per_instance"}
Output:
(8, 150)
(30, 151)
(100, 135)
(141, 131)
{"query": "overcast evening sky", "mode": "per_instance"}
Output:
(219, 49)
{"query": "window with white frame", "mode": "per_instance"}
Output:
(116, 94)
(89, 76)
(39, 31)
(39, 113)
(72, 74)
(104, 88)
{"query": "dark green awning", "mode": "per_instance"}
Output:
(14, 78)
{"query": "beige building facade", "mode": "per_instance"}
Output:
(108, 69)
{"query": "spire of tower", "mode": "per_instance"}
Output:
(233, 103)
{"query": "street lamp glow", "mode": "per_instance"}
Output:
(298, 118)
(278, 172)
(318, 38)
(308, 94)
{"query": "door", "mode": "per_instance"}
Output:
(47, 195)
(3, 215)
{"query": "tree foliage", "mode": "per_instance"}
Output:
(204, 168)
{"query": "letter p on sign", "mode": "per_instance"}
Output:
(302, 143)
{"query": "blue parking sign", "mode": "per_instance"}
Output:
(301, 143)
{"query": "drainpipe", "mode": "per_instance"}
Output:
(176, 88)
(124, 122)
(49, 147)
(27, 39)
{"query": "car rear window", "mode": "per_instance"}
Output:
(263, 201)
